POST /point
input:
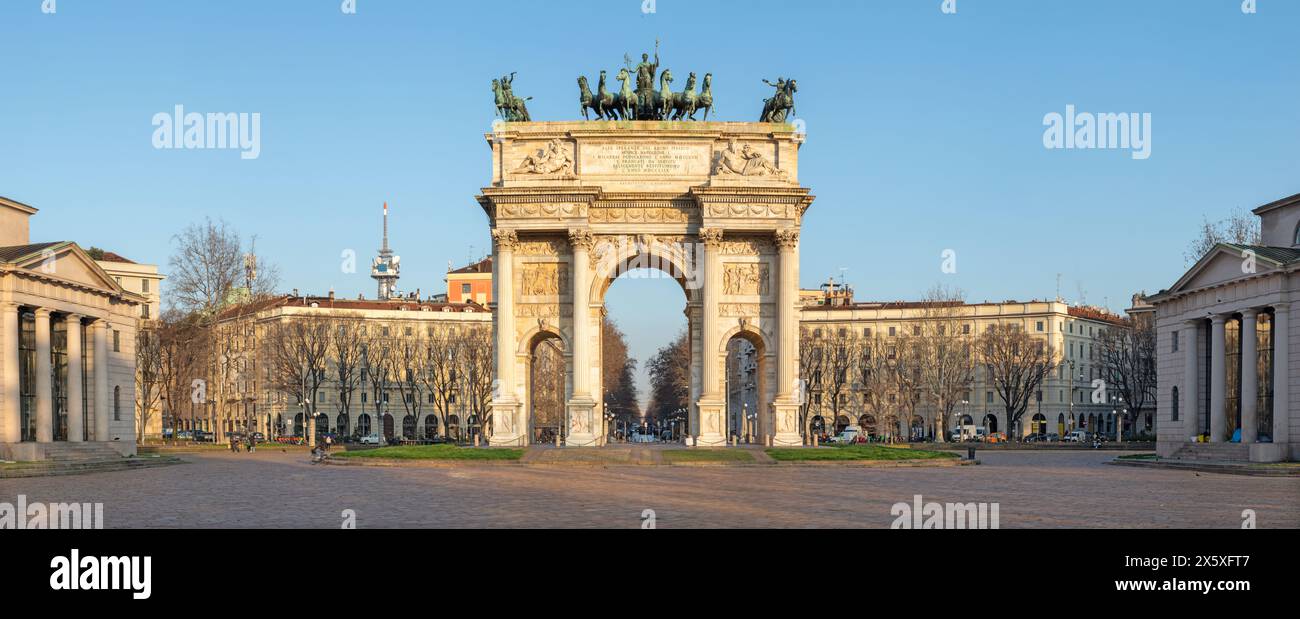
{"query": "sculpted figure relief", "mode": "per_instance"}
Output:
(554, 159)
(745, 161)
(542, 280)
(749, 279)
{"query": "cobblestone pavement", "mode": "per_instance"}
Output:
(273, 489)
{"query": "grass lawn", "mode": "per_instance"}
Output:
(855, 453)
(432, 452)
(707, 455)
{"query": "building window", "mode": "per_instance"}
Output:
(893, 331)
(144, 286)
(1175, 344)
(965, 329)
(867, 332)
(117, 341)
(916, 330)
(465, 288)
(1040, 326)
(1173, 415)
(144, 311)
(117, 403)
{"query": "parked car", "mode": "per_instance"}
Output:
(847, 436)
(370, 439)
(1077, 436)
(258, 437)
(1051, 437)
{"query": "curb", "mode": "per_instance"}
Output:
(1249, 470)
(440, 464)
(44, 469)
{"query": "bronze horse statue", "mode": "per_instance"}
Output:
(602, 103)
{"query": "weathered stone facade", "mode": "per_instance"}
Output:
(716, 206)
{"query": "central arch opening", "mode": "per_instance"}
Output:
(649, 309)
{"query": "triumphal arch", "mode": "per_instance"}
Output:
(717, 206)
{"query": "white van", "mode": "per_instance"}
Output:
(847, 436)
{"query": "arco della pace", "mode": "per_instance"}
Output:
(717, 206)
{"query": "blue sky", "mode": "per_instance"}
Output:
(924, 129)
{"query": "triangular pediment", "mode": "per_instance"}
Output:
(1224, 264)
(69, 262)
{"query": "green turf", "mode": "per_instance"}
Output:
(858, 453)
(433, 452)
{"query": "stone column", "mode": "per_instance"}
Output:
(1282, 374)
(10, 411)
(583, 427)
(44, 374)
(100, 362)
(786, 409)
(1249, 376)
(712, 402)
(1218, 379)
(75, 426)
(1191, 381)
(505, 404)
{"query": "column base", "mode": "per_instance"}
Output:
(786, 418)
(583, 429)
(506, 429)
(713, 425)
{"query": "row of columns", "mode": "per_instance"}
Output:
(1218, 375)
(11, 406)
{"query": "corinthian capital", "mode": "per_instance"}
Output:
(581, 238)
(787, 238)
(711, 237)
(505, 239)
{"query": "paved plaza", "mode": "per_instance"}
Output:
(271, 489)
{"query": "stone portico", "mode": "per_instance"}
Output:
(67, 342)
(1228, 342)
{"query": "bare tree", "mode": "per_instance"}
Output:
(812, 363)
(297, 351)
(407, 365)
(441, 376)
(1240, 227)
(904, 361)
(872, 381)
(943, 351)
(149, 375)
(618, 372)
(841, 350)
(375, 353)
(1017, 363)
(345, 350)
(670, 378)
(1127, 356)
(479, 376)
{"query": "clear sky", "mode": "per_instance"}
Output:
(925, 130)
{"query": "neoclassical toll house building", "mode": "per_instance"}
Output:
(1229, 342)
(67, 348)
